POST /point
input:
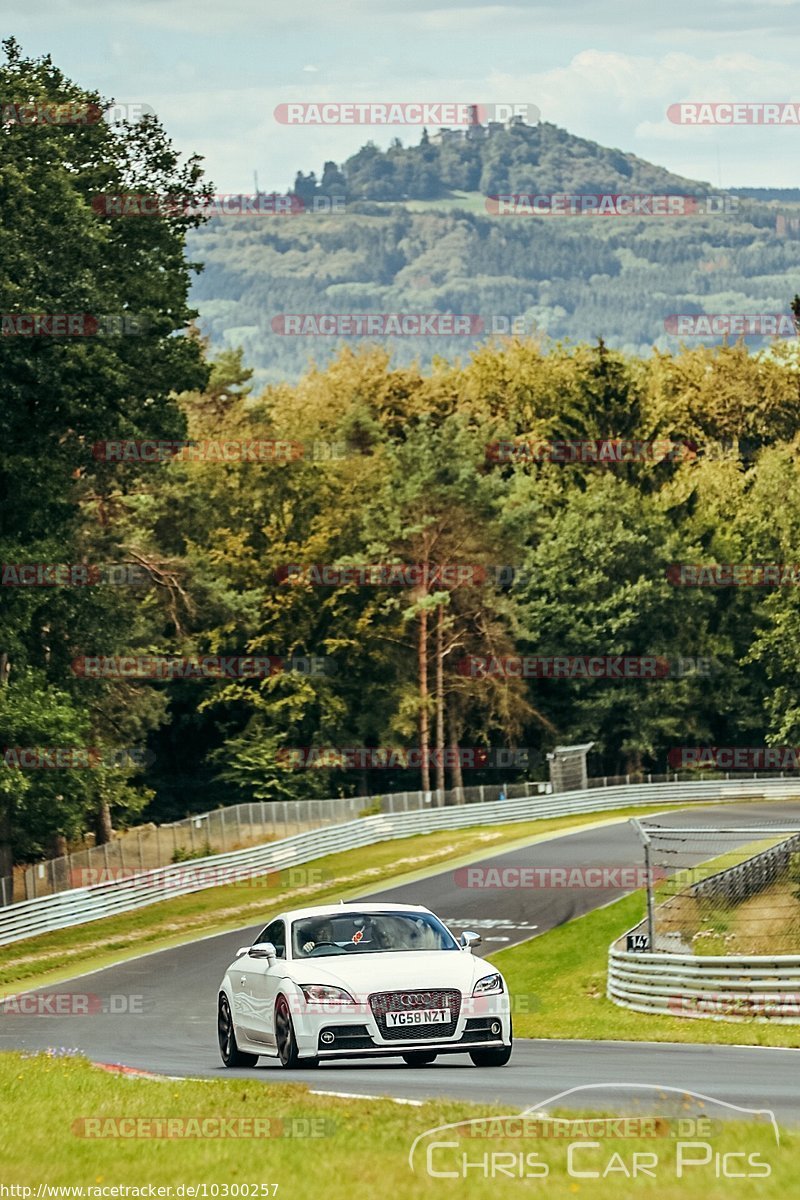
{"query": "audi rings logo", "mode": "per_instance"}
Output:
(415, 999)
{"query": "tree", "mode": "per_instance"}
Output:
(125, 282)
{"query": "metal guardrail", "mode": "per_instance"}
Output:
(722, 988)
(252, 823)
(747, 878)
(81, 905)
(222, 830)
(731, 987)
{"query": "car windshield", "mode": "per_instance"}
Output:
(368, 933)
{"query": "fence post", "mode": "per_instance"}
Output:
(651, 910)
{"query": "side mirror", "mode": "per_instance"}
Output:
(263, 950)
(242, 950)
(469, 939)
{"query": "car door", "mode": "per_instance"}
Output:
(265, 983)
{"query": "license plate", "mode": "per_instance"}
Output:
(419, 1016)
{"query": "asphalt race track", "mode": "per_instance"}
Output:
(170, 997)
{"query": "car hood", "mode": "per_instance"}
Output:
(389, 972)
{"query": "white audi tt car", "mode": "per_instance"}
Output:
(362, 980)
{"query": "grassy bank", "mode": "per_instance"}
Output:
(319, 1145)
(560, 977)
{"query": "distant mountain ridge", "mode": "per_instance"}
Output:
(491, 159)
(414, 234)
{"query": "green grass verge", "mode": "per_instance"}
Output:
(560, 976)
(53, 957)
(45, 1103)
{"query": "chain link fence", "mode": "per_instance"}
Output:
(252, 823)
(222, 830)
(720, 891)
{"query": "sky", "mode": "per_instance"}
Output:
(215, 71)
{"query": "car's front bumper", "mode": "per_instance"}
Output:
(339, 1033)
(352, 1041)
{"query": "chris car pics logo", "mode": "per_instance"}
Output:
(680, 1137)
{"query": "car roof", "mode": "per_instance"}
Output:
(332, 910)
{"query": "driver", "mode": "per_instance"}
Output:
(322, 931)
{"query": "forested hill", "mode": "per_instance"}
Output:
(516, 158)
(427, 241)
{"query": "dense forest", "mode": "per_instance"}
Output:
(387, 463)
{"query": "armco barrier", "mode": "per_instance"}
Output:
(747, 878)
(730, 987)
(80, 905)
(722, 988)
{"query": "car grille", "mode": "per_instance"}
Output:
(383, 1002)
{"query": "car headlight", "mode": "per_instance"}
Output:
(488, 985)
(323, 993)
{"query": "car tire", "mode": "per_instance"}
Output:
(230, 1053)
(491, 1058)
(419, 1058)
(286, 1042)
